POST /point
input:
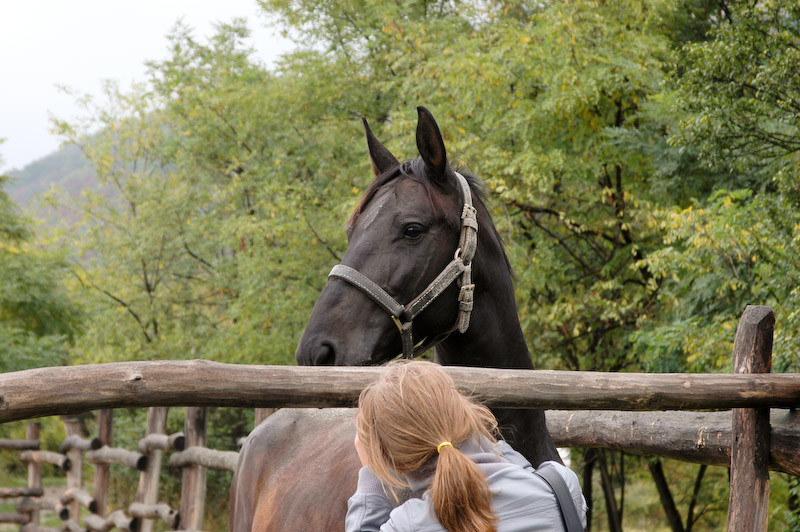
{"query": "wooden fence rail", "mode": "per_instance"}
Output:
(751, 440)
(701, 437)
(41, 392)
(698, 437)
(141, 513)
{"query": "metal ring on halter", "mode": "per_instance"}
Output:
(398, 323)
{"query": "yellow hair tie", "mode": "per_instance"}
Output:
(443, 444)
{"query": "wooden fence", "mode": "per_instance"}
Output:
(187, 451)
(751, 439)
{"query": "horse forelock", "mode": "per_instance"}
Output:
(413, 169)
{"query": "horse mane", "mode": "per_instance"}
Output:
(415, 169)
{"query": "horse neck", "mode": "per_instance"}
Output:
(495, 340)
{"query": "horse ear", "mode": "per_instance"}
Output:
(382, 159)
(431, 145)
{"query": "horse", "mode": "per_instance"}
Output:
(421, 234)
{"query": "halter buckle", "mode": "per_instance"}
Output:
(466, 301)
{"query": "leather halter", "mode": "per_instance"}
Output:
(461, 265)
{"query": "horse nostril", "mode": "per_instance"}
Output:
(315, 352)
(309, 354)
(325, 355)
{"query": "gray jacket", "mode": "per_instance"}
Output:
(522, 501)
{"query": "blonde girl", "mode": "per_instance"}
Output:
(417, 433)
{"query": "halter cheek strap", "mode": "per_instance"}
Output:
(460, 266)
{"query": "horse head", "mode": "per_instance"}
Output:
(406, 231)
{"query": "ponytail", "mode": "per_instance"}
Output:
(411, 421)
(460, 494)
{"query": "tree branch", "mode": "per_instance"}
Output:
(690, 518)
(608, 491)
(197, 258)
(664, 493)
(324, 242)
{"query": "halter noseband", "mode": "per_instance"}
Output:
(461, 265)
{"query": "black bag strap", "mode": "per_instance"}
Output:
(572, 521)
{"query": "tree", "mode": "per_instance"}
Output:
(206, 150)
(227, 186)
(738, 99)
(37, 318)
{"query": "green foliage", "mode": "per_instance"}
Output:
(741, 89)
(640, 158)
(37, 318)
(531, 100)
(734, 247)
(203, 152)
(793, 507)
(543, 102)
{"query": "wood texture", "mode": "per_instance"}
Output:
(8, 493)
(38, 528)
(34, 468)
(262, 414)
(74, 441)
(153, 511)
(29, 504)
(193, 486)
(116, 519)
(748, 507)
(176, 442)
(47, 457)
(21, 519)
(102, 471)
(72, 426)
(206, 383)
(80, 495)
(96, 523)
(210, 458)
(117, 455)
(699, 437)
(70, 525)
(19, 445)
(147, 492)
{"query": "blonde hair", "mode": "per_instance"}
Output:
(404, 417)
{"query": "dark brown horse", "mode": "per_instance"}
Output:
(298, 468)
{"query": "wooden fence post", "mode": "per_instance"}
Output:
(34, 468)
(105, 419)
(75, 474)
(147, 492)
(748, 507)
(193, 489)
(262, 414)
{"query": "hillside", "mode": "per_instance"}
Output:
(66, 168)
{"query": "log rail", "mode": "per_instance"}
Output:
(203, 383)
(697, 437)
(115, 455)
(715, 438)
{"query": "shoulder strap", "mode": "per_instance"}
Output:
(572, 521)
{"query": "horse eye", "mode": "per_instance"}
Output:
(412, 231)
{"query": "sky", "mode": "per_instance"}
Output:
(79, 43)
